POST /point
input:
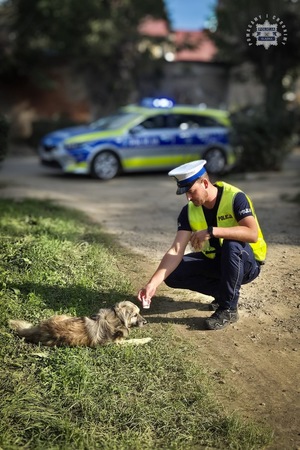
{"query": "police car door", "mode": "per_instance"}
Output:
(186, 133)
(150, 145)
(207, 133)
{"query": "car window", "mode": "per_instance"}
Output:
(187, 121)
(113, 122)
(154, 122)
(206, 121)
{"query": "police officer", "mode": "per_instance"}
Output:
(219, 222)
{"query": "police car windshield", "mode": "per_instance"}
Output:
(113, 122)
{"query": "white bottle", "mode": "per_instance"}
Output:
(146, 303)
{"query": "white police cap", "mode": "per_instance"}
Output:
(187, 174)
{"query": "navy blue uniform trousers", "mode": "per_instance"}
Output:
(220, 277)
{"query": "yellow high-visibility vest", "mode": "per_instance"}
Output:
(225, 218)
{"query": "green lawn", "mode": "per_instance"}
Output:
(53, 260)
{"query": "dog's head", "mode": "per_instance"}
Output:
(129, 314)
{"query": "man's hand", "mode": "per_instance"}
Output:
(146, 293)
(198, 238)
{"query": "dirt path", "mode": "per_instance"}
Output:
(255, 362)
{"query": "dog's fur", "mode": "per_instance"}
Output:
(109, 325)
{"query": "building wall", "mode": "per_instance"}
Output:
(197, 83)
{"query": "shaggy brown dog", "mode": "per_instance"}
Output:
(108, 326)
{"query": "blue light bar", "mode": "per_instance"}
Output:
(157, 102)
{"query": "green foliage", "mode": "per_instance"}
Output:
(4, 128)
(230, 37)
(108, 398)
(270, 66)
(266, 134)
(264, 140)
(99, 38)
(61, 25)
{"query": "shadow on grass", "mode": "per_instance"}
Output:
(88, 301)
(84, 301)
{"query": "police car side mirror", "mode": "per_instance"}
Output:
(136, 130)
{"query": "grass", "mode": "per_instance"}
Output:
(53, 260)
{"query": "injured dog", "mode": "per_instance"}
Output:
(109, 325)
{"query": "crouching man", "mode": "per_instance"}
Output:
(219, 222)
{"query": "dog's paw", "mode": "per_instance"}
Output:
(141, 341)
(144, 340)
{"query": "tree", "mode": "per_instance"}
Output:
(98, 37)
(276, 68)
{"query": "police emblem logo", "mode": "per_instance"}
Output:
(266, 33)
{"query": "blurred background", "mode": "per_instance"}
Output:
(68, 62)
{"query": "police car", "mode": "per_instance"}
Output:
(153, 136)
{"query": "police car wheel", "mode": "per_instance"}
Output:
(216, 161)
(105, 165)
